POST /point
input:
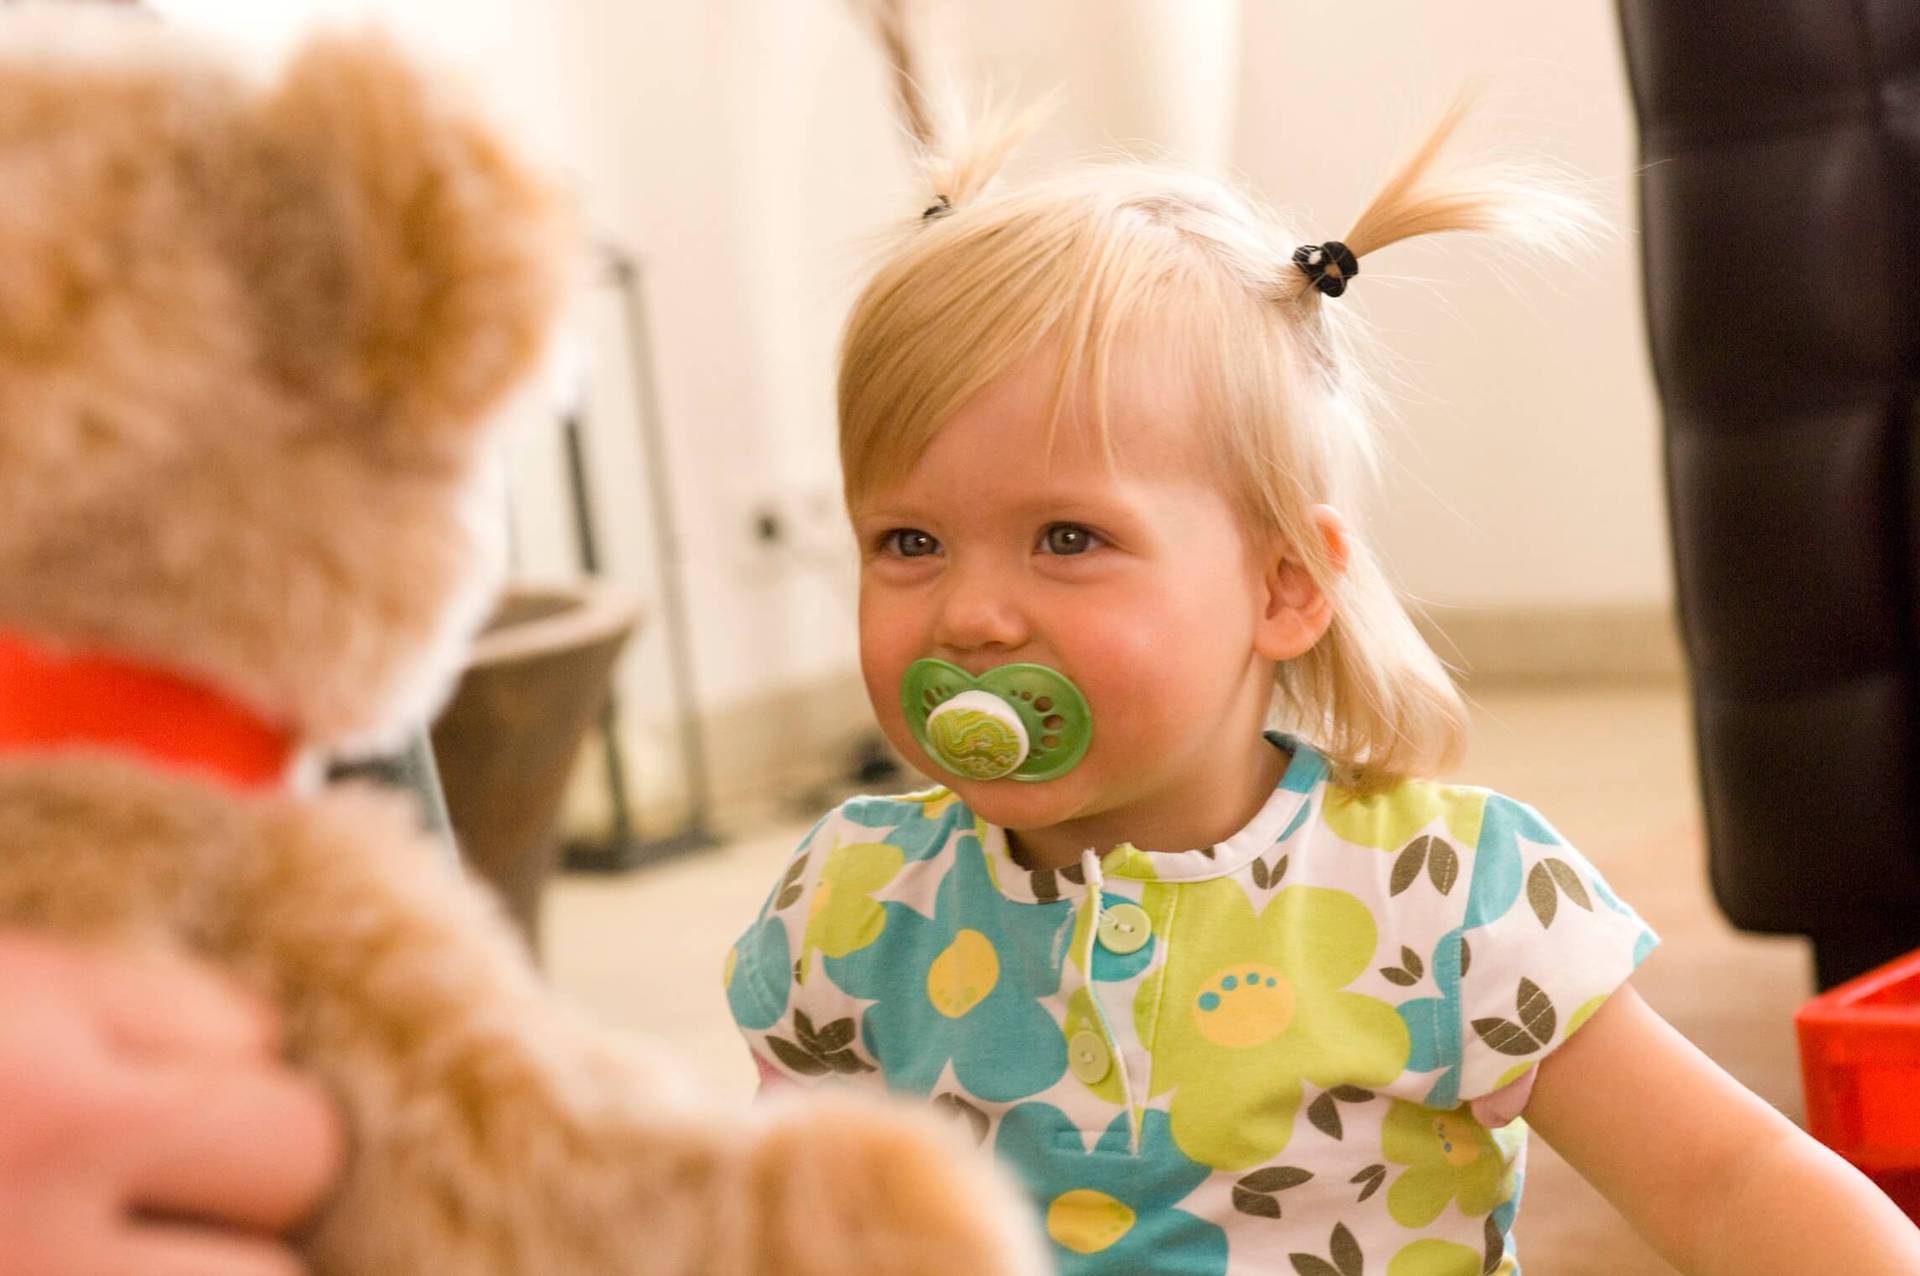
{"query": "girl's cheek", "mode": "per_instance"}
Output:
(1116, 655)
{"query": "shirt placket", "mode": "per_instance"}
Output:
(1108, 1046)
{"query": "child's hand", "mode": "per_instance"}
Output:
(1713, 1177)
(145, 1123)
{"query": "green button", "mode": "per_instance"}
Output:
(1089, 1057)
(1125, 928)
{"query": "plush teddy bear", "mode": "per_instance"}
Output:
(249, 336)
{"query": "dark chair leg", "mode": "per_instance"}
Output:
(1839, 957)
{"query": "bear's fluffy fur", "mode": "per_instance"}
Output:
(249, 340)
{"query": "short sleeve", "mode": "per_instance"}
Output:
(1545, 944)
(798, 1026)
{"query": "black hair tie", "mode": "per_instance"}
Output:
(940, 207)
(1329, 265)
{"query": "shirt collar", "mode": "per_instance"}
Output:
(1276, 820)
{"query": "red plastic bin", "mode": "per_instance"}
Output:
(1860, 1063)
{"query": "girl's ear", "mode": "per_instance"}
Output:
(1296, 611)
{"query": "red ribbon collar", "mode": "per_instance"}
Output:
(52, 700)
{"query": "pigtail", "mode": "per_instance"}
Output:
(1526, 205)
(958, 157)
(893, 27)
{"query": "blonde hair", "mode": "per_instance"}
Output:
(1082, 262)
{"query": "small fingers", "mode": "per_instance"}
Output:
(171, 1007)
(257, 1148)
(165, 1249)
(140, 1004)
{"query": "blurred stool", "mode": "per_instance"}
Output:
(506, 743)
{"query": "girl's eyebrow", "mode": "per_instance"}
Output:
(883, 514)
(1069, 506)
(1062, 504)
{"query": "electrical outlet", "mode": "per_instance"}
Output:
(798, 524)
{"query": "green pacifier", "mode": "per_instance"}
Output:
(1025, 722)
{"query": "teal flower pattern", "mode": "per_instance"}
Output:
(1435, 1023)
(1438, 1025)
(904, 939)
(918, 823)
(758, 974)
(1108, 1210)
(966, 985)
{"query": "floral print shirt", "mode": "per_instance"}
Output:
(1260, 1056)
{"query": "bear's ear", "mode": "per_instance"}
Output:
(410, 265)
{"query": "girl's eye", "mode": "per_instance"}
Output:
(1068, 539)
(909, 542)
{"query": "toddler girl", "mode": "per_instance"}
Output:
(1226, 999)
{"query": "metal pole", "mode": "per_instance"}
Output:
(587, 544)
(622, 849)
(627, 277)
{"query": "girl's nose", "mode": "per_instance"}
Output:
(979, 612)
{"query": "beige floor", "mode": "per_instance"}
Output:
(1611, 766)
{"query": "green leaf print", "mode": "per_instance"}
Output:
(790, 889)
(1276, 1178)
(1267, 878)
(1496, 1246)
(1373, 1176)
(799, 1060)
(1325, 1115)
(1345, 1252)
(1535, 1029)
(1253, 1203)
(1550, 879)
(837, 1035)
(1536, 1011)
(1505, 1036)
(1408, 972)
(1324, 1112)
(1569, 882)
(1542, 895)
(1408, 866)
(821, 1051)
(1440, 860)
